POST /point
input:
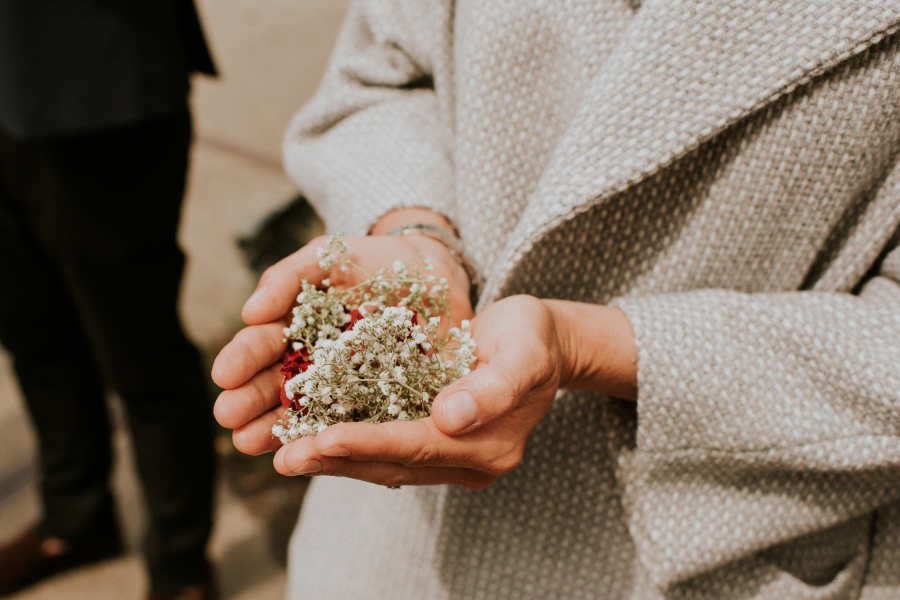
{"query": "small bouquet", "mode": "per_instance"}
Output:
(374, 352)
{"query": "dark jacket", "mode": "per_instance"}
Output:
(69, 66)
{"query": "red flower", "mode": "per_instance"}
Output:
(292, 364)
(285, 401)
(355, 317)
(295, 362)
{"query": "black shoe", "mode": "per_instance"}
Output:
(32, 557)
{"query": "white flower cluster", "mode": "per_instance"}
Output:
(373, 362)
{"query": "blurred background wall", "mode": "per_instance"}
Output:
(271, 56)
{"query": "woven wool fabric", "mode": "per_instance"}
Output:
(727, 173)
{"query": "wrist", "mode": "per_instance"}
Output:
(596, 348)
(412, 214)
(429, 246)
(428, 231)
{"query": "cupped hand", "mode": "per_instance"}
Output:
(248, 367)
(479, 424)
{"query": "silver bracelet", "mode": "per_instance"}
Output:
(454, 247)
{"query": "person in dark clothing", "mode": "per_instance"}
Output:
(94, 139)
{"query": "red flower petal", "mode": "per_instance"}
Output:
(355, 317)
(295, 362)
(285, 401)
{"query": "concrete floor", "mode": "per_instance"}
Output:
(271, 56)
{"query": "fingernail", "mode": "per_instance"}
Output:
(336, 451)
(309, 467)
(255, 297)
(460, 411)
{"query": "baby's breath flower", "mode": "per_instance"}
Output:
(361, 354)
(335, 252)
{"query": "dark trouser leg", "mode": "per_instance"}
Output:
(113, 234)
(57, 373)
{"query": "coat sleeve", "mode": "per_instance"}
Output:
(761, 418)
(376, 135)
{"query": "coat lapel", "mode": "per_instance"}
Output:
(685, 71)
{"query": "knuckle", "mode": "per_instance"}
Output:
(327, 439)
(241, 343)
(542, 361)
(398, 479)
(340, 278)
(541, 372)
(506, 461)
(244, 345)
(423, 456)
(263, 392)
(332, 469)
(507, 391)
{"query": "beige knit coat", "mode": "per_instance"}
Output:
(724, 171)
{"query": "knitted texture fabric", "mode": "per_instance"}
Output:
(727, 173)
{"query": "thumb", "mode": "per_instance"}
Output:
(488, 393)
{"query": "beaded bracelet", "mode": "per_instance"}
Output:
(454, 247)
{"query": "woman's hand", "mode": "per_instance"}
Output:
(527, 350)
(248, 367)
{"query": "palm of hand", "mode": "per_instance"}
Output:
(479, 424)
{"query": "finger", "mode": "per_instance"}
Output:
(410, 443)
(493, 389)
(256, 437)
(279, 285)
(390, 474)
(253, 349)
(237, 407)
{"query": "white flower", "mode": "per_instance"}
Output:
(384, 367)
